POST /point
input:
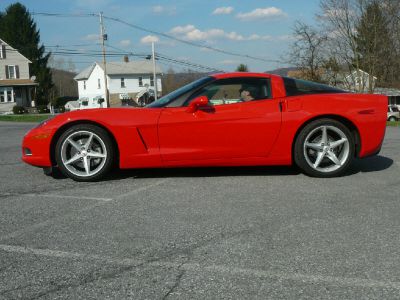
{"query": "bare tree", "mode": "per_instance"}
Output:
(360, 39)
(339, 18)
(307, 52)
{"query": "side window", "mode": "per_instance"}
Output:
(234, 90)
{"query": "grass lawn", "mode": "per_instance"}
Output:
(25, 118)
(394, 124)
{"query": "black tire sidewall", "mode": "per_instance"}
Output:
(300, 160)
(103, 134)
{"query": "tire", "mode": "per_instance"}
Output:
(392, 119)
(85, 152)
(324, 148)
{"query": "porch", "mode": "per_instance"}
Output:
(16, 92)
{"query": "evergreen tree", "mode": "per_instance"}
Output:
(242, 68)
(18, 29)
(374, 42)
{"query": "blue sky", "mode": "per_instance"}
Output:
(256, 28)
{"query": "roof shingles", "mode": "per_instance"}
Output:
(121, 68)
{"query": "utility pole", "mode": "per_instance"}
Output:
(103, 39)
(154, 71)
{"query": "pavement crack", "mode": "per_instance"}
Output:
(177, 281)
(93, 276)
(3, 268)
(18, 288)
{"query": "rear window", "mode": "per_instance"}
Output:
(295, 87)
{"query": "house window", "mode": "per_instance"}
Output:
(151, 80)
(140, 81)
(9, 96)
(84, 84)
(123, 83)
(98, 84)
(2, 95)
(2, 51)
(12, 72)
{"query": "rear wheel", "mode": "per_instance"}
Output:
(392, 119)
(84, 152)
(324, 148)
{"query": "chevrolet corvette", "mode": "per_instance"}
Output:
(229, 119)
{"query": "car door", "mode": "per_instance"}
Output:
(228, 128)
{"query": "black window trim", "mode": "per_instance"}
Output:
(328, 90)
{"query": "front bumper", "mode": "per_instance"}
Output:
(36, 147)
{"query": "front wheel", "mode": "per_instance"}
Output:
(84, 152)
(392, 119)
(324, 148)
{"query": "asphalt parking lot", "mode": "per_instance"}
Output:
(225, 233)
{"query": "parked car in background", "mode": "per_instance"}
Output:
(393, 113)
(71, 106)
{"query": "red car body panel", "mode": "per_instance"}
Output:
(258, 132)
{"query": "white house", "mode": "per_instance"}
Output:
(125, 81)
(16, 87)
(360, 81)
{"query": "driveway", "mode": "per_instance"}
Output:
(210, 233)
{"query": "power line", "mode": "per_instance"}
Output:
(77, 15)
(187, 42)
(186, 63)
(168, 36)
(119, 52)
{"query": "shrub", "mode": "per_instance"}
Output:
(18, 110)
(43, 109)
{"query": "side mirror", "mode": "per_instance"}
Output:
(197, 103)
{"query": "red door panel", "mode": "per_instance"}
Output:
(245, 129)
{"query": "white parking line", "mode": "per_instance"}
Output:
(141, 189)
(194, 267)
(49, 221)
(69, 197)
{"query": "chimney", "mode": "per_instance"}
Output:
(126, 58)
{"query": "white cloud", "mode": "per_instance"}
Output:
(91, 37)
(191, 33)
(125, 43)
(159, 10)
(262, 14)
(229, 62)
(223, 10)
(287, 37)
(255, 37)
(148, 39)
(182, 29)
(93, 3)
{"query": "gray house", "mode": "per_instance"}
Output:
(16, 87)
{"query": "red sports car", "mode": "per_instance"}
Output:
(230, 119)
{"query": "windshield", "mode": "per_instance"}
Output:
(163, 101)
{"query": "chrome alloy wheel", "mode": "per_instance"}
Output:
(326, 148)
(83, 153)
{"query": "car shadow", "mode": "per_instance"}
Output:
(203, 172)
(366, 165)
(370, 164)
